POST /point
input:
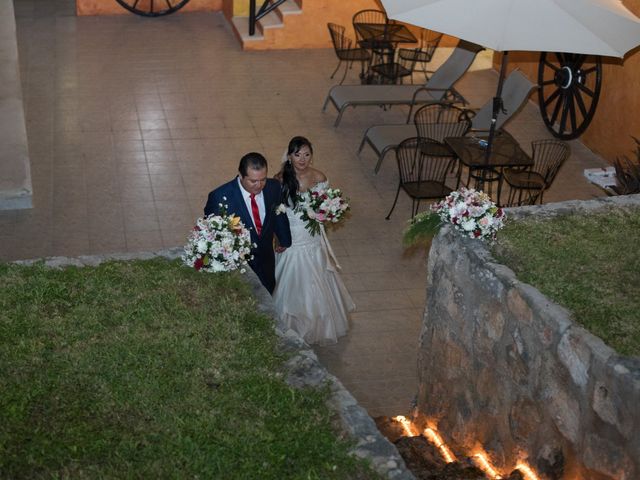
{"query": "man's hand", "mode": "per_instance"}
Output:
(280, 249)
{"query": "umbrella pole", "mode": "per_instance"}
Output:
(497, 105)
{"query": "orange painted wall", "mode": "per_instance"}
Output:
(111, 7)
(617, 115)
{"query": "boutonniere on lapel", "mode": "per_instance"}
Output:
(282, 208)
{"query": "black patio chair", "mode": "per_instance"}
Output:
(423, 165)
(378, 49)
(369, 16)
(526, 187)
(395, 72)
(345, 51)
(422, 55)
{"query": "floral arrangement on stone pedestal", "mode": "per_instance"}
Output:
(469, 211)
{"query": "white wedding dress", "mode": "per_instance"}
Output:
(310, 296)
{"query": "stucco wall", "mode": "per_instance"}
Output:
(505, 369)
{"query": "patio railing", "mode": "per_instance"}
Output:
(266, 7)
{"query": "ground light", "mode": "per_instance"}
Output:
(480, 458)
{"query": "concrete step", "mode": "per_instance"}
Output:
(271, 20)
(241, 26)
(290, 7)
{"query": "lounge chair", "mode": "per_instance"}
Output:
(438, 88)
(515, 92)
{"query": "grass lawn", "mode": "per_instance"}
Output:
(589, 264)
(148, 369)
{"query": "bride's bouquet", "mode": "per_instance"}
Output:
(319, 205)
(218, 243)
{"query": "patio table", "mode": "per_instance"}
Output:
(505, 152)
(383, 38)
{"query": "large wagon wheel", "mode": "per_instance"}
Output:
(569, 91)
(152, 8)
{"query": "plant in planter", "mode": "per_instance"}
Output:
(469, 211)
(628, 173)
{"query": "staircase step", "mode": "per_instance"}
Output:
(241, 25)
(290, 7)
(271, 20)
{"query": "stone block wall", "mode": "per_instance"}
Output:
(504, 369)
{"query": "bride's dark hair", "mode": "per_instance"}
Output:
(290, 184)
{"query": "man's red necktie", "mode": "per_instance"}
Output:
(256, 214)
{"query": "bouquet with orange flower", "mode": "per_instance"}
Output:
(218, 243)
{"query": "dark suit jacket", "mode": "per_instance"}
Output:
(263, 262)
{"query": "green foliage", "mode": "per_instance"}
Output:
(628, 172)
(422, 228)
(149, 369)
(589, 264)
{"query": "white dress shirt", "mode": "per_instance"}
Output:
(247, 201)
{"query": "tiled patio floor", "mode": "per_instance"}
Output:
(131, 122)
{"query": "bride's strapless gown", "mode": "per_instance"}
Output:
(310, 296)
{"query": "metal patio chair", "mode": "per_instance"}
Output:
(345, 51)
(368, 16)
(394, 71)
(422, 55)
(422, 171)
(528, 185)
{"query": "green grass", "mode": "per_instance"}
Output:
(589, 264)
(148, 369)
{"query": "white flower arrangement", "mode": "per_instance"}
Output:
(320, 205)
(469, 211)
(218, 243)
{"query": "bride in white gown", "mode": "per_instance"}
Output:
(310, 296)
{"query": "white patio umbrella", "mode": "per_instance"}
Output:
(590, 27)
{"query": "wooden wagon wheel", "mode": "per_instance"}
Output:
(569, 91)
(152, 8)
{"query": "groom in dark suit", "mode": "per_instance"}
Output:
(254, 198)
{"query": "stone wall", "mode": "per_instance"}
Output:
(504, 369)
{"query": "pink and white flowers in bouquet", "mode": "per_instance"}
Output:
(472, 212)
(218, 243)
(320, 205)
